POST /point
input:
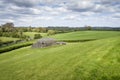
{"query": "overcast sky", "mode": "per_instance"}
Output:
(60, 12)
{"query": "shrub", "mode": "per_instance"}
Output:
(13, 47)
(51, 32)
(37, 36)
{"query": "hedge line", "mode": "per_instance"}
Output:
(9, 42)
(13, 47)
(85, 40)
(16, 46)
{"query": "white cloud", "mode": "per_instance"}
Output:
(7, 20)
(59, 11)
(116, 15)
(70, 17)
(44, 18)
(36, 11)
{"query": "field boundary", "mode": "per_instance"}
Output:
(84, 40)
(13, 47)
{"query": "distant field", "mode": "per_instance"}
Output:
(5, 39)
(94, 60)
(81, 35)
(31, 34)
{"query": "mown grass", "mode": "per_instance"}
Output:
(85, 35)
(93, 60)
(31, 34)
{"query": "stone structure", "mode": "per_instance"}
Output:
(45, 42)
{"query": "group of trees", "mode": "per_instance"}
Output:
(37, 36)
(51, 32)
(33, 29)
(8, 30)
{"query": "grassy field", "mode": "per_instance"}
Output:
(81, 35)
(5, 39)
(31, 34)
(93, 60)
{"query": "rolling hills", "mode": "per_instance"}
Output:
(93, 60)
(82, 35)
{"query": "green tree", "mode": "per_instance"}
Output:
(8, 27)
(88, 27)
(0, 42)
(37, 36)
(51, 32)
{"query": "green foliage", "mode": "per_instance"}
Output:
(51, 32)
(0, 42)
(13, 47)
(8, 30)
(5, 39)
(88, 27)
(31, 34)
(40, 29)
(37, 36)
(7, 27)
(14, 35)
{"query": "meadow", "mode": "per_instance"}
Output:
(82, 35)
(31, 34)
(6, 39)
(92, 60)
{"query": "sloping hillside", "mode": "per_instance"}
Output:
(93, 60)
(82, 35)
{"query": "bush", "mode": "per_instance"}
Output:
(0, 42)
(51, 32)
(37, 36)
(13, 47)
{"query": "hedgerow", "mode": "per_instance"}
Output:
(16, 46)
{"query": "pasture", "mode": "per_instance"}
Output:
(6, 39)
(82, 35)
(31, 34)
(92, 60)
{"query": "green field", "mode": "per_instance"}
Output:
(81, 35)
(93, 60)
(31, 34)
(5, 39)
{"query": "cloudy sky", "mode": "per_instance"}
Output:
(60, 12)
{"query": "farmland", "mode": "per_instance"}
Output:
(59, 39)
(81, 35)
(5, 39)
(31, 34)
(92, 60)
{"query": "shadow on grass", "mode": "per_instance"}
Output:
(84, 40)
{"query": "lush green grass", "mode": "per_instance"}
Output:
(16, 46)
(31, 34)
(94, 60)
(82, 35)
(5, 39)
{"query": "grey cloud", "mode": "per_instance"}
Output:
(116, 15)
(97, 6)
(32, 3)
(80, 6)
(22, 3)
(15, 9)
